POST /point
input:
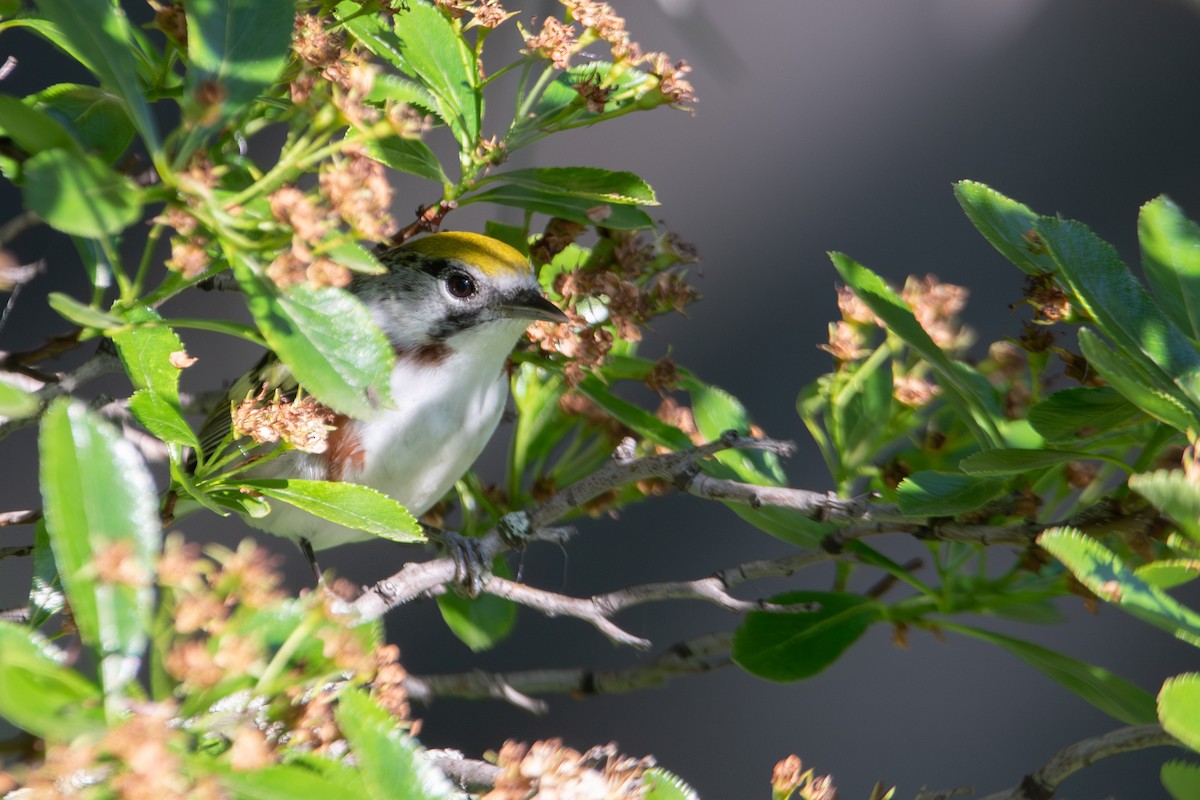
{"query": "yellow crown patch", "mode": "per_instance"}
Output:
(491, 256)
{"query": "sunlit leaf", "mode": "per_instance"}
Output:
(79, 194)
(1171, 258)
(96, 117)
(349, 504)
(327, 337)
(237, 49)
(40, 695)
(101, 508)
(388, 759)
(1006, 224)
(1109, 578)
(99, 32)
(1179, 708)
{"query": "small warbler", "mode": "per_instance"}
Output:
(452, 305)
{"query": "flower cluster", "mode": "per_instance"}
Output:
(138, 759)
(627, 282)
(558, 41)
(303, 423)
(790, 778)
(548, 769)
(936, 306)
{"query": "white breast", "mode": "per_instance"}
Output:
(442, 417)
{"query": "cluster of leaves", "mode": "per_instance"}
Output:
(1000, 447)
(351, 87)
(250, 693)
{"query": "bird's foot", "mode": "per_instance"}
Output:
(471, 567)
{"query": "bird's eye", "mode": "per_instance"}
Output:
(460, 284)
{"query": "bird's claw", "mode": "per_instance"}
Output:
(471, 568)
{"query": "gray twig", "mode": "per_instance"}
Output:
(702, 654)
(1042, 784)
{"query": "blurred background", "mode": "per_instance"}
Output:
(821, 124)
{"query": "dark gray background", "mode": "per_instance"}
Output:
(822, 124)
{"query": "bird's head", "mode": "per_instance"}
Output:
(445, 289)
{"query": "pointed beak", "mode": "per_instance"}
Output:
(532, 305)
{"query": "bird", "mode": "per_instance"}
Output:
(452, 305)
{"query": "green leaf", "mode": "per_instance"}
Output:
(1110, 693)
(992, 463)
(99, 32)
(80, 195)
(1006, 224)
(349, 504)
(1169, 573)
(962, 390)
(388, 759)
(785, 524)
(238, 46)
(575, 209)
(408, 155)
(327, 337)
(281, 782)
(425, 45)
(1179, 708)
(146, 353)
(162, 419)
(945, 494)
(356, 257)
(560, 96)
(100, 502)
(634, 417)
(662, 785)
(390, 88)
(1173, 494)
(717, 411)
(1108, 577)
(1181, 779)
(1170, 245)
(46, 596)
(38, 694)
(790, 647)
(96, 118)
(1080, 412)
(480, 622)
(32, 129)
(16, 403)
(1118, 304)
(1151, 393)
(72, 310)
(512, 235)
(593, 184)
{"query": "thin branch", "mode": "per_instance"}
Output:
(475, 777)
(17, 225)
(54, 346)
(1042, 784)
(860, 517)
(25, 517)
(702, 654)
(47, 388)
(519, 528)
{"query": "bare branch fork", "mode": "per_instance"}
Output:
(516, 529)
